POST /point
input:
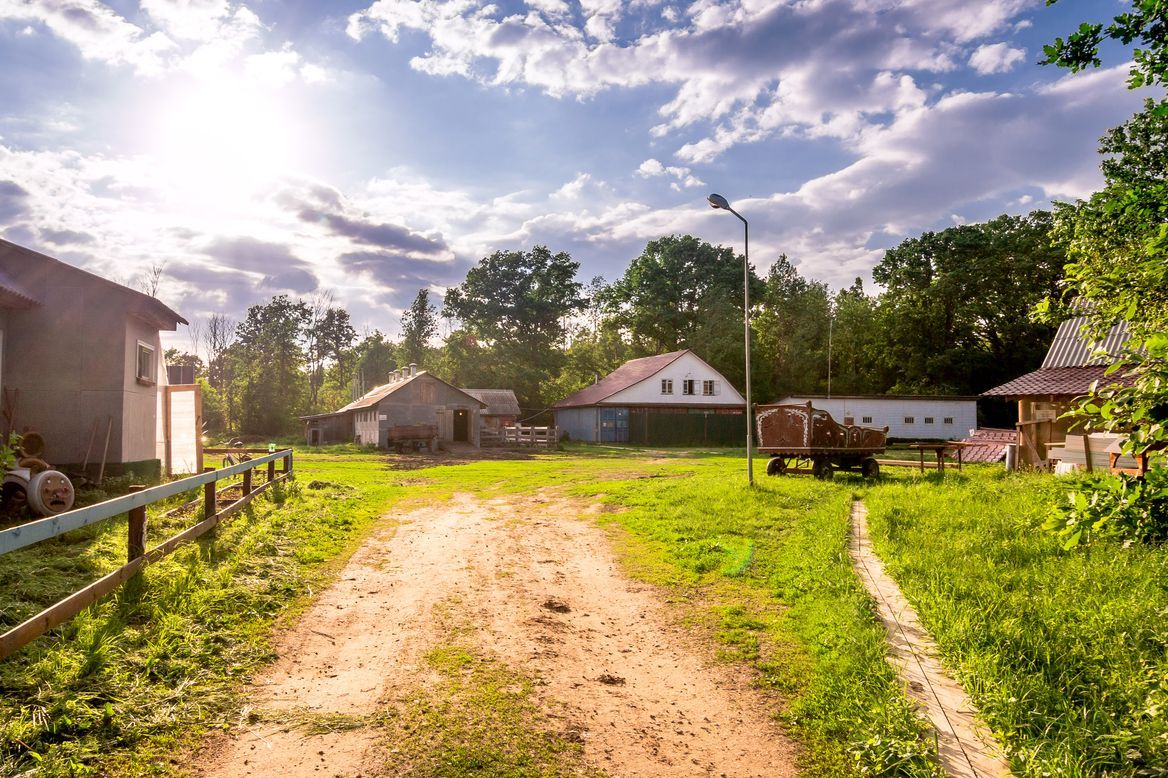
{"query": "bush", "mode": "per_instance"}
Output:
(1124, 508)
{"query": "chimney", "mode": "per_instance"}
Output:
(596, 378)
(413, 369)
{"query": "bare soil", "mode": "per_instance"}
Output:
(538, 583)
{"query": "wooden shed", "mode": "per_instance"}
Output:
(1072, 365)
(411, 398)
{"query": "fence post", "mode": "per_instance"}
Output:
(135, 545)
(247, 482)
(271, 470)
(210, 503)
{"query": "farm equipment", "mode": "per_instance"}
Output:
(801, 439)
(412, 437)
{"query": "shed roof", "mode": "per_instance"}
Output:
(13, 295)
(632, 372)
(1056, 382)
(987, 445)
(379, 393)
(1070, 349)
(890, 397)
(499, 402)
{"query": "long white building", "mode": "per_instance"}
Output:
(910, 416)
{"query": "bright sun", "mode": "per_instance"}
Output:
(223, 140)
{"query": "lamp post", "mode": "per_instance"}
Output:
(720, 202)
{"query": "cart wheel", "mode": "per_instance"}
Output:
(776, 466)
(870, 468)
(821, 469)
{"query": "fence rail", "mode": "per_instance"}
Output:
(134, 506)
(540, 437)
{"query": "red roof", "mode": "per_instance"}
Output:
(1056, 382)
(987, 445)
(632, 372)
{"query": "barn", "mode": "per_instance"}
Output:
(668, 399)
(410, 398)
(908, 417)
(501, 410)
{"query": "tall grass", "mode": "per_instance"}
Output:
(1066, 653)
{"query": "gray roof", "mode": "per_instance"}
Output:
(1071, 349)
(499, 402)
(379, 393)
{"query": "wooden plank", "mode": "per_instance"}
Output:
(52, 526)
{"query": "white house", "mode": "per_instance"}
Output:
(908, 417)
(674, 398)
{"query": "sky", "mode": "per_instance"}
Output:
(368, 149)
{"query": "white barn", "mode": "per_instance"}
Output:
(908, 417)
(675, 398)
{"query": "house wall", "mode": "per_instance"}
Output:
(142, 434)
(333, 429)
(687, 366)
(366, 427)
(580, 424)
(892, 412)
(67, 360)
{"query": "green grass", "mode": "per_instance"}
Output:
(1065, 653)
(122, 688)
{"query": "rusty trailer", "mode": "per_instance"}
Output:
(802, 439)
(403, 438)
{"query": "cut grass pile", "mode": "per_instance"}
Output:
(124, 686)
(1064, 652)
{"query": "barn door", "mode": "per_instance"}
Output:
(183, 420)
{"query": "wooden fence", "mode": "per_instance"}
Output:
(540, 437)
(134, 506)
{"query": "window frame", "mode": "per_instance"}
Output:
(710, 384)
(910, 419)
(689, 387)
(150, 377)
(666, 386)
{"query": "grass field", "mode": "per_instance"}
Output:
(1064, 651)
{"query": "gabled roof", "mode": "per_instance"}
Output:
(379, 393)
(1070, 349)
(141, 305)
(13, 295)
(499, 402)
(632, 372)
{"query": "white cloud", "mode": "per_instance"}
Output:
(995, 58)
(651, 168)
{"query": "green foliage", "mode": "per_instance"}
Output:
(419, 325)
(1146, 23)
(1117, 507)
(1063, 653)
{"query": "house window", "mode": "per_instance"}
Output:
(910, 420)
(689, 386)
(666, 386)
(948, 419)
(928, 420)
(145, 374)
(709, 388)
(866, 420)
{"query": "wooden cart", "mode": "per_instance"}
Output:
(801, 439)
(412, 437)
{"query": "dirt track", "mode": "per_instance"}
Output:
(543, 592)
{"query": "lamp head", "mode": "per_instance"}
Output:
(718, 201)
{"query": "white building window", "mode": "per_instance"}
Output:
(866, 420)
(689, 386)
(145, 370)
(948, 419)
(709, 388)
(910, 420)
(666, 386)
(928, 420)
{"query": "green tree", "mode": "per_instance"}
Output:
(267, 363)
(954, 314)
(374, 357)
(791, 327)
(419, 325)
(516, 305)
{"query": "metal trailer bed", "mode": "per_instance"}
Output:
(801, 439)
(412, 437)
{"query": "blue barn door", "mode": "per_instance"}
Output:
(614, 425)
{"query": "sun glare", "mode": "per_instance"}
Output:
(219, 140)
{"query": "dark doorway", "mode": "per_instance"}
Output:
(462, 426)
(314, 437)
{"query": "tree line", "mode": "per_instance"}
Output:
(952, 318)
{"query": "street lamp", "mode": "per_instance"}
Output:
(720, 202)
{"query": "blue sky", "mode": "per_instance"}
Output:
(368, 149)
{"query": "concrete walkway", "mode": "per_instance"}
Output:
(967, 749)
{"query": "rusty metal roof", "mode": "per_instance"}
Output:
(632, 372)
(499, 402)
(379, 393)
(1071, 349)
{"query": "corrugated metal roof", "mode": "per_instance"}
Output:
(632, 372)
(14, 293)
(1056, 382)
(1070, 349)
(797, 397)
(987, 445)
(379, 393)
(499, 402)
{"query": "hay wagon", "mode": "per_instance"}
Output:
(801, 439)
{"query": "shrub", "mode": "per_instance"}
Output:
(1124, 508)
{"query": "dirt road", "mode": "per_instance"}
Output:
(534, 583)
